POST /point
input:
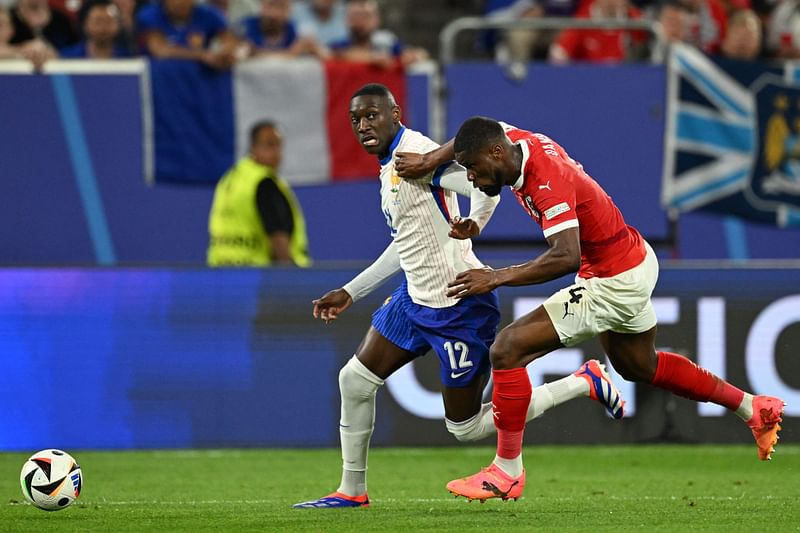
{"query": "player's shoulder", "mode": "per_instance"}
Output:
(414, 141)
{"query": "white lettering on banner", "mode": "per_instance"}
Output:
(409, 393)
(711, 346)
(760, 352)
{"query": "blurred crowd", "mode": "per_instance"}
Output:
(217, 33)
(738, 29)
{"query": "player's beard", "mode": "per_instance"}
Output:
(495, 188)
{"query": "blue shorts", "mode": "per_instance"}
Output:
(460, 335)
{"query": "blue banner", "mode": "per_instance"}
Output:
(166, 358)
(193, 119)
(732, 142)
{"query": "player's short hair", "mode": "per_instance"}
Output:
(258, 126)
(375, 89)
(476, 133)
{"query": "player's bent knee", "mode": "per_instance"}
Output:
(503, 352)
(631, 371)
(357, 381)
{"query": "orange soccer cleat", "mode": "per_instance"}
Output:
(601, 388)
(490, 482)
(765, 424)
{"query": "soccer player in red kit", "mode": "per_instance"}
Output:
(616, 274)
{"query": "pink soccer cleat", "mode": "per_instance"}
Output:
(490, 482)
(765, 424)
(601, 388)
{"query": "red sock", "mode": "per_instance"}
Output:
(510, 400)
(677, 374)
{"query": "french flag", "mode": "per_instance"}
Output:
(202, 118)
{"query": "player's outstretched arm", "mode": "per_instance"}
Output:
(562, 257)
(410, 165)
(331, 304)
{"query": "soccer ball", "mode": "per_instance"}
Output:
(51, 479)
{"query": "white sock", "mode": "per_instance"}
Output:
(357, 385)
(543, 398)
(555, 393)
(745, 409)
(512, 467)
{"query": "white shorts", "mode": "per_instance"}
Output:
(620, 303)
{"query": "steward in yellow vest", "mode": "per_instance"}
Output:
(255, 218)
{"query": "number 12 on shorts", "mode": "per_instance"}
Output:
(463, 364)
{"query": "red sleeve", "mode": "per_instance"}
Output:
(570, 41)
(553, 192)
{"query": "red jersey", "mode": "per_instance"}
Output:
(558, 194)
(599, 45)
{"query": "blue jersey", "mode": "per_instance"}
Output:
(460, 335)
(80, 51)
(251, 30)
(205, 23)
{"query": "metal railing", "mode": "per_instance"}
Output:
(448, 35)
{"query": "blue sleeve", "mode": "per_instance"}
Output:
(397, 48)
(215, 21)
(148, 19)
(249, 30)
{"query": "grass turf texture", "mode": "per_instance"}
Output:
(570, 488)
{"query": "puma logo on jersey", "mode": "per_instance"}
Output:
(547, 186)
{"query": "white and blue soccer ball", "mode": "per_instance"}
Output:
(51, 479)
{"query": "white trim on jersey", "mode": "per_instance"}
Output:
(552, 230)
(526, 153)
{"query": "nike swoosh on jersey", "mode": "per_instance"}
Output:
(453, 375)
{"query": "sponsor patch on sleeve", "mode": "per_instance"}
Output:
(556, 210)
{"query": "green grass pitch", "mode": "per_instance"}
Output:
(574, 488)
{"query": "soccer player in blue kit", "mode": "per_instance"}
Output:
(431, 244)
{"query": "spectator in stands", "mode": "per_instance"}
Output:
(100, 27)
(179, 29)
(35, 19)
(127, 9)
(522, 45)
(324, 20)
(273, 34)
(707, 24)
(37, 51)
(367, 43)
(600, 46)
(783, 31)
(673, 18)
(255, 218)
(743, 37)
(7, 50)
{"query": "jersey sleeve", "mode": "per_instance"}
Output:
(147, 19)
(553, 193)
(453, 177)
(374, 275)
